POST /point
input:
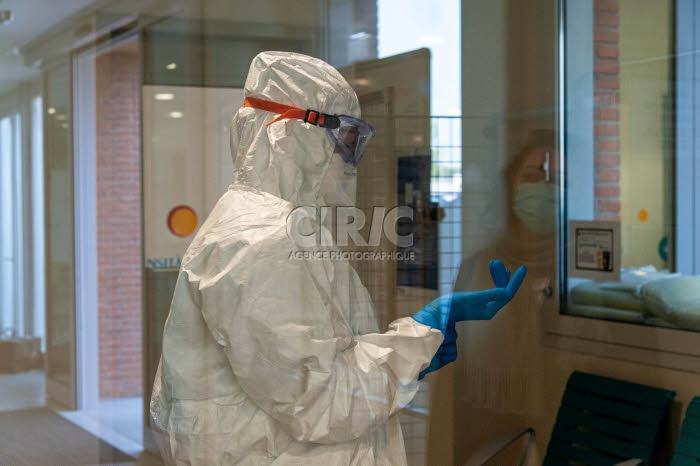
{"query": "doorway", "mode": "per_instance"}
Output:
(108, 226)
(22, 326)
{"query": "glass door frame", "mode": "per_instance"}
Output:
(85, 204)
(62, 392)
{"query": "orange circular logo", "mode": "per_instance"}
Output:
(643, 215)
(182, 221)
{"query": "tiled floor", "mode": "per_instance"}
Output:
(118, 421)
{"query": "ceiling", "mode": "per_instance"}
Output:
(31, 19)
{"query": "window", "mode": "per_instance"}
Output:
(37, 212)
(435, 27)
(628, 251)
(11, 297)
(621, 159)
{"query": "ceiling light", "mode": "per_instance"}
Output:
(51, 111)
(360, 35)
(5, 17)
(64, 126)
(171, 66)
(176, 114)
(60, 117)
(164, 96)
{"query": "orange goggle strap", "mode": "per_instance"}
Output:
(286, 111)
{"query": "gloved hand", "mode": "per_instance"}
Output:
(448, 309)
(446, 353)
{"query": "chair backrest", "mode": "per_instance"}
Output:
(604, 421)
(687, 450)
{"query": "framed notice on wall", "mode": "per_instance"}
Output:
(594, 250)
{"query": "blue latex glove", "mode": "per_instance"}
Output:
(459, 306)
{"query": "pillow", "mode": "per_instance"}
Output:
(676, 300)
(593, 294)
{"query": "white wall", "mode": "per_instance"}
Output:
(187, 160)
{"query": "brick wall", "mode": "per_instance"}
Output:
(606, 67)
(119, 222)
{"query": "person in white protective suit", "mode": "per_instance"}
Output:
(271, 360)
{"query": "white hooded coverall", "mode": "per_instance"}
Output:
(268, 360)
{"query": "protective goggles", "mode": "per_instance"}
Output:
(349, 135)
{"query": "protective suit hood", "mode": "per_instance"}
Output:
(291, 159)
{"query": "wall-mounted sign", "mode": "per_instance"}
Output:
(164, 262)
(594, 250)
(182, 221)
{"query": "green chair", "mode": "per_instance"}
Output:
(604, 421)
(687, 452)
(601, 422)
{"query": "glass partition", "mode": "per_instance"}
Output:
(225, 283)
(60, 261)
(163, 188)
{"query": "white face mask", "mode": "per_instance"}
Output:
(535, 205)
(340, 184)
